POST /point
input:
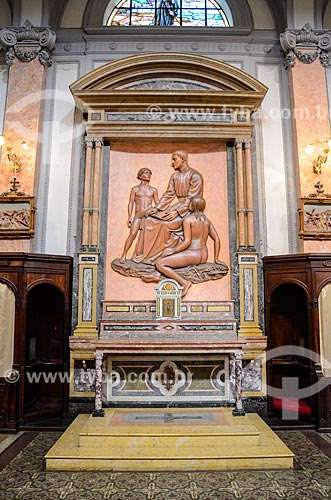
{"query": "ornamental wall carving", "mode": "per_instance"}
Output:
(316, 46)
(28, 42)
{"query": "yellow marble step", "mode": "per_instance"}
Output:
(152, 465)
(270, 452)
(224, 440)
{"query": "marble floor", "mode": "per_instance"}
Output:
(23, 476)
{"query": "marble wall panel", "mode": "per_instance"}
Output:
(24, 107)
(176, 379)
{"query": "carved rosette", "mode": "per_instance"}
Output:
(28, 42)
(317, 45)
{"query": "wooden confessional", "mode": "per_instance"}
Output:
(293, 284)
(41, 288)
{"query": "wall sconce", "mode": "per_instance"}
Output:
(323, 149)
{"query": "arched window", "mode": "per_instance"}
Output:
(170, 13)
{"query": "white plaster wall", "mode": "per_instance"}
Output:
(327, 17)
(60, 159)
(261, 14)
(5, 14)
(303, 13)
(73, 14)
(274, 162)
(31, 10)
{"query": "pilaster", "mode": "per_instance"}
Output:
(248, 293)
(89, 257)
(28, 53)
(306, 54)
(87, 295)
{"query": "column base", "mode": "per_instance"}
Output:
(250, 331)
(98, 413)
(86, 331)
(238, 413)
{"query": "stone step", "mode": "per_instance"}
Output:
(248, 437)
(106, 444)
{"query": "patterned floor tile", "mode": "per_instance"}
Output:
(25, 478)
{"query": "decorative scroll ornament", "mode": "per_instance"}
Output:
(27, 42)
(318, 45)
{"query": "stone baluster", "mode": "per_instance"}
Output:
(98, 411)
(238, 410)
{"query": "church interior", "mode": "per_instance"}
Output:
(165, 249)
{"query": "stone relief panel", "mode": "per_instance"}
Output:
(138, 248)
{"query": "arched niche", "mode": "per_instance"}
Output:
(324, 308)
(7, 328)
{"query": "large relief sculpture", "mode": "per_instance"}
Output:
(172, 231)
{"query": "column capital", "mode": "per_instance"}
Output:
(99, 356)
(293, 41)
(27, 42)
(238, 355)
(98, 142)
(89, 142)
(238, 143)
(247, 143)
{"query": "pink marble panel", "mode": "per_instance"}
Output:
(311, 121)
(312, 246)
(125, 161)
(9, 246)
(23, 113)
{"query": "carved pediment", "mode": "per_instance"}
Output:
(168, 71)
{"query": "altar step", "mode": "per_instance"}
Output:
(219, 441)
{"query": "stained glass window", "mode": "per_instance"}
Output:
(169, 13)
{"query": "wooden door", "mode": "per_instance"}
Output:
(46, 354)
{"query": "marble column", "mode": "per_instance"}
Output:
(238, 410)
(240, 193)
(96, 196)
(98, 411)
(89, 256)
(249, 193)
(87, 212)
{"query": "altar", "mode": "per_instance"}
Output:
(168, 202)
